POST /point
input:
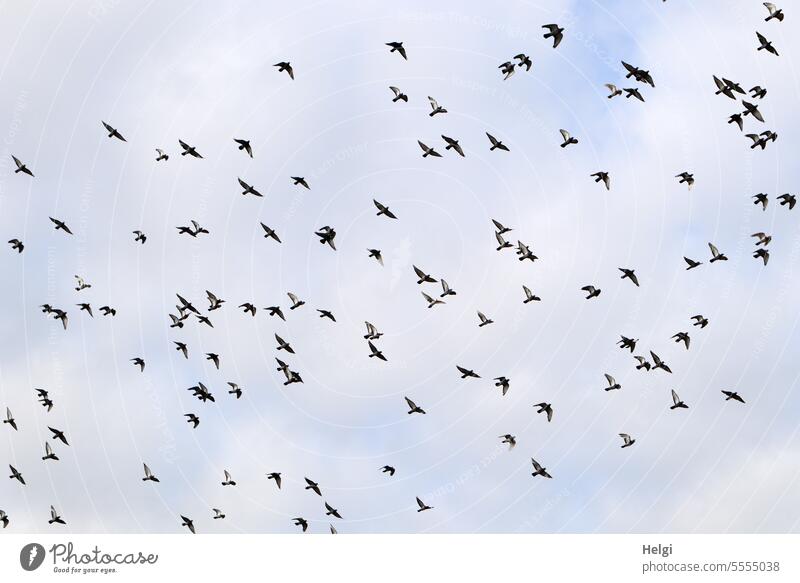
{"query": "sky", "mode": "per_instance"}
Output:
(203, 72)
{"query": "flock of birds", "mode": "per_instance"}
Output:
(186, 311)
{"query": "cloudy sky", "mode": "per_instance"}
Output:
(202, 72)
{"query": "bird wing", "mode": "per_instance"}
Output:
(675, 398)
(610, 379)
(565, 135)
(714, 250)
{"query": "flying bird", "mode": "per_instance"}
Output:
(397, 46)
(567, 139)
(422, 505)
(732, 395)
(546, 408)
(190, 150)
(21, 167)
(413, 407)
(428, 151)
(112, 133)
(398, 95)
(496, 144)
(555, 32)
(538, 470)
(765, 44)
(676, 402)
(627, 440)
(435, 107)
(452, 144)
(148, 475)
(285, 66)
(774, 12)
(244, 145)
(383, 210)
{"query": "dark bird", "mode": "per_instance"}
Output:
(613, 385)
(161, 155)
(763, 238)
(48, 453)
(592, 292)
(108, 311)
(723, 88)
(372, 332)
(529, 297)
(375, 352)
(633, 92)
(629, 274)
(10, 420)
(275, 476)
(774, 12)
(398, 95)
(502, 382)
(501, 243)
(397, 46)
(732, 395)
(761, 199)
(188, 523)
(276, 311)
(567, 139)
(545, 408)
(138, 362)
(54, 517)
(435, 107)
(496, 144)
(301, 522)
(283, 345)
(228, 481)
(431, 301)
(312, 485)
(598, 176)
(327, 234)
(789, 199)
(4, 518)
(524, 61)
(677, 403)
(750, 109)
(16, 245)
(15, 475)
(376, 254)
(248, 308)
(140, 237)
(682, 337)
(218, 514)
(112, 133)
(248, 189)
(270, 233)
(538, 470)
(383, 210)
(388, 470)
(758, 92)
(700, 320)
(765, 44)
(643, 364)
(422, 505)
(427, 151)
(213, 358)
(524, 252)
(21, 167)
(296, 302)
(235, 390)
(453, 144)
(763, 254)
(627, 441)
(326, 314)
(467, 373)
(686, 177)
(446, 291)
(59, 435)
(507, 69)
(423, 277)
(502, 229)
(737, 119)
(331, 511)
(187, 149)
(413, 407)
(555, 32)
(509, 439)
(612, 90)
(204, 320)
(691, 263)
(60, 225)
(193, 419)
(148, 475)
(640, 75)
(300, 181)
(244, 145)
(715, 254)
(658, 363)
(484, 320)
(285, 66)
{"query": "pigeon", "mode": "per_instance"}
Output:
(397, 46)
(465, 372)
(677, 403)
(285, 66)
(269, 233)
(296, 302)
(161, 155)
(276, 311)
(484, 320)
(16, 245)
(4, 518)
(633, 92)
(48, 453)
(413, 407)
(446, 291)
(545, 408)
(604, 177)
(218, 514)
(592, 292)
(283, 345)
(452, 144)
(435, 107)
(699, 320)
(761, 199)
(765, 44)
(789, 199)
(187, 522)
(758, 92)
(301, 522)
(54, 517)
(138, 362)
(59, 435)
(750, 109)
(10, 420)
(612, 90)
(509, 439)
(427, 151)
(15, 475)
(248, 308)
(312, 485)
(228, 481)
(524, 61)
(331, 511)
(627, 441)
(327, 314)
(431, 301)
(682, 337)
(555, 32)
(300, 181)
(658, 363)
(148, 475)
(502, 229)
(496, 144)
(774, 12)
(383, 210)
(112, 133)
(763, 254)
(422, 505)
(502, 382)
(375, 352)
(507, 69)
(193, 419)
(398, 95)
(613, 385)
(737, 119)
(763, 238)
(502, 243)
(372, 332)
(388, 470)
(539, 470)
(140, 237)
(21, 167)
(327, 234)
(643, 364)
(529, 297)
(275, 476)
(629, 274)
(235, 390)
(729, 395)
(691, 263)
(213, 358)
(190, 150)
(60, 225)
(715, 254)
(687, 178)
(108, 311)
(640, 75)
(376, 254)
(423, 277)
(723, 88)
(248, 189)
(181, 347)
(244, 145)
(524, 252)
(567, 139)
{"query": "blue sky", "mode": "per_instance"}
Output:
(203, 73)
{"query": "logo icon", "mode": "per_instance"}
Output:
(31, 556)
